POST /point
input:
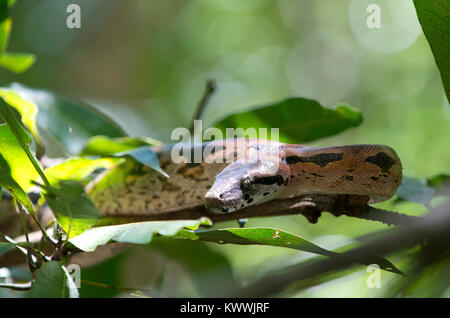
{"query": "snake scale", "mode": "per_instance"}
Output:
(234, 174)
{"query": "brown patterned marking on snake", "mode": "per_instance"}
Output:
(194, 173)
(321, 159)
(382, 160)
(319, 170)
(170, 187)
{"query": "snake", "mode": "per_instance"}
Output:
(231, 175)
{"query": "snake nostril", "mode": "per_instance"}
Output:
(213, 203)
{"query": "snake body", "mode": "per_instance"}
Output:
(234, 174)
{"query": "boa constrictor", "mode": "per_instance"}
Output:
(234, 174)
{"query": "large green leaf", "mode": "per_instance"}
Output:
(71, 123)
(17, 62)
(20, 167)
(52, 281)
(254, 236)
(137, 233)
(8, 115)
(434, 16)
(299, 119)
(104, 146)
(270, 237)
(73, 209)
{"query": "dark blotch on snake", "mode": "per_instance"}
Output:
(382, 160)
(321, 159)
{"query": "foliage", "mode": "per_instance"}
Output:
(302, 120)
(15, 62)
(434, 16)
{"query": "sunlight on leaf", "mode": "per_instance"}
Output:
(17, 62)
(77, 169)
(20, 167)
(137, 233)
(103, 145)
(8, 183)
(27, 110)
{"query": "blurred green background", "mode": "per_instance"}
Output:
(145, 63)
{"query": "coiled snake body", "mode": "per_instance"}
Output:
(234, 174)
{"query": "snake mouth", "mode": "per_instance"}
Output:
(223, 202)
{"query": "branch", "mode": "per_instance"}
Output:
(310, 206)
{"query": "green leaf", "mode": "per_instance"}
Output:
(137, 233)
(5, 29)
(299, 119)
(103, 145)
(7, 114)
(77, 169)
(270, 237)
(127, 147)
(19, 165)
(8, 182)
(71, 123)
(144, 155)
(28, 111)
(17, 62)
(5, 247)
(52, 281)
(73, 209)
(254, 236)
(434, 16)
(415, 190)
(440, 182)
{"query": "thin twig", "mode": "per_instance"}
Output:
(209, 90)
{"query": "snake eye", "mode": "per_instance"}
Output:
(245, 184)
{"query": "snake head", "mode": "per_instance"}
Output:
(243, 183)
